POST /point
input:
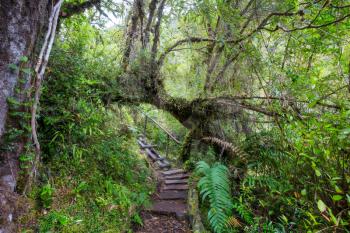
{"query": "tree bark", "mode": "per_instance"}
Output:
(21, 25)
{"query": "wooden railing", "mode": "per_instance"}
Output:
(168, 133)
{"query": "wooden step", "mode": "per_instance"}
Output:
(176, 187)
(169, 207)
(162, 158)
(173, 172)
(140, 143)
(178, 176)
(148, 146)
(144, 145)
(183, 181)
(163, 164)
(173, 195)
(152, 155)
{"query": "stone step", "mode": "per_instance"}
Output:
(173, 195)
(183, 181)
(176, 187)
(177, 177)
(169, 207)
(173, 172)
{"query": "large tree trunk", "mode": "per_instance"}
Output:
(21, 25)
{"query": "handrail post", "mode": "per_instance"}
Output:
(170, 136)
(145, 126)
(167, 146)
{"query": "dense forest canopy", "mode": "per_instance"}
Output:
(257, 91)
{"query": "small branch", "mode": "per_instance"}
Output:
(286, 51)
(130, 36)
(246, 7)
(339, 7)
(309, 26)
(234, 41)
(152, 8)
(180, 42)
(284, 99)
(252, 108)
(224, 68)
(157, 29)
(211, 66)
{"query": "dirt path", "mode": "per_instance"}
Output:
(168, 212)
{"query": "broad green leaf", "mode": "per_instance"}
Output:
(317, 172)
(321, 206)
(337, 197)
(303, 192)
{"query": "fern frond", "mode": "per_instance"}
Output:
(202, 168)
(214, 186)
(243, 212)
(235, 150)
(233, 222)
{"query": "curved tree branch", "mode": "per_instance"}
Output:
(73, 9)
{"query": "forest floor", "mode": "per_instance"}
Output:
(168, 211)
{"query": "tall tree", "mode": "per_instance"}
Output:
(27, 28)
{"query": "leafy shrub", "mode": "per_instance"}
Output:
(98, 175)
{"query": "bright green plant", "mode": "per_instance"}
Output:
(215, 186)
(53, 222)
(46, 193)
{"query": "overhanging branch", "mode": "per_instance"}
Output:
(73, 9)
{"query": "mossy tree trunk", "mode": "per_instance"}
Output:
(22, 24)
(22, 28)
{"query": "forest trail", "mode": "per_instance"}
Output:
(168, 211)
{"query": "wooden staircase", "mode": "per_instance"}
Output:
(170, 200)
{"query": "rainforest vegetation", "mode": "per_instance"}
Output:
(255, 91)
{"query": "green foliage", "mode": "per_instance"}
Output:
(215, 186)
(99, 179)
(296, 178)
(283, 184)
(137, 219)
(242, 211)
(54, 221)
(45, 195)
(224, 211)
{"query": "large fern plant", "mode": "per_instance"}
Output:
(215, 186)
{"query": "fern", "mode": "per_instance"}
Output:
(215, 186)
(243, 212)
(235, 150)
(233, 222)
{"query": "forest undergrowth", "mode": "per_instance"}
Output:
(263, 116)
